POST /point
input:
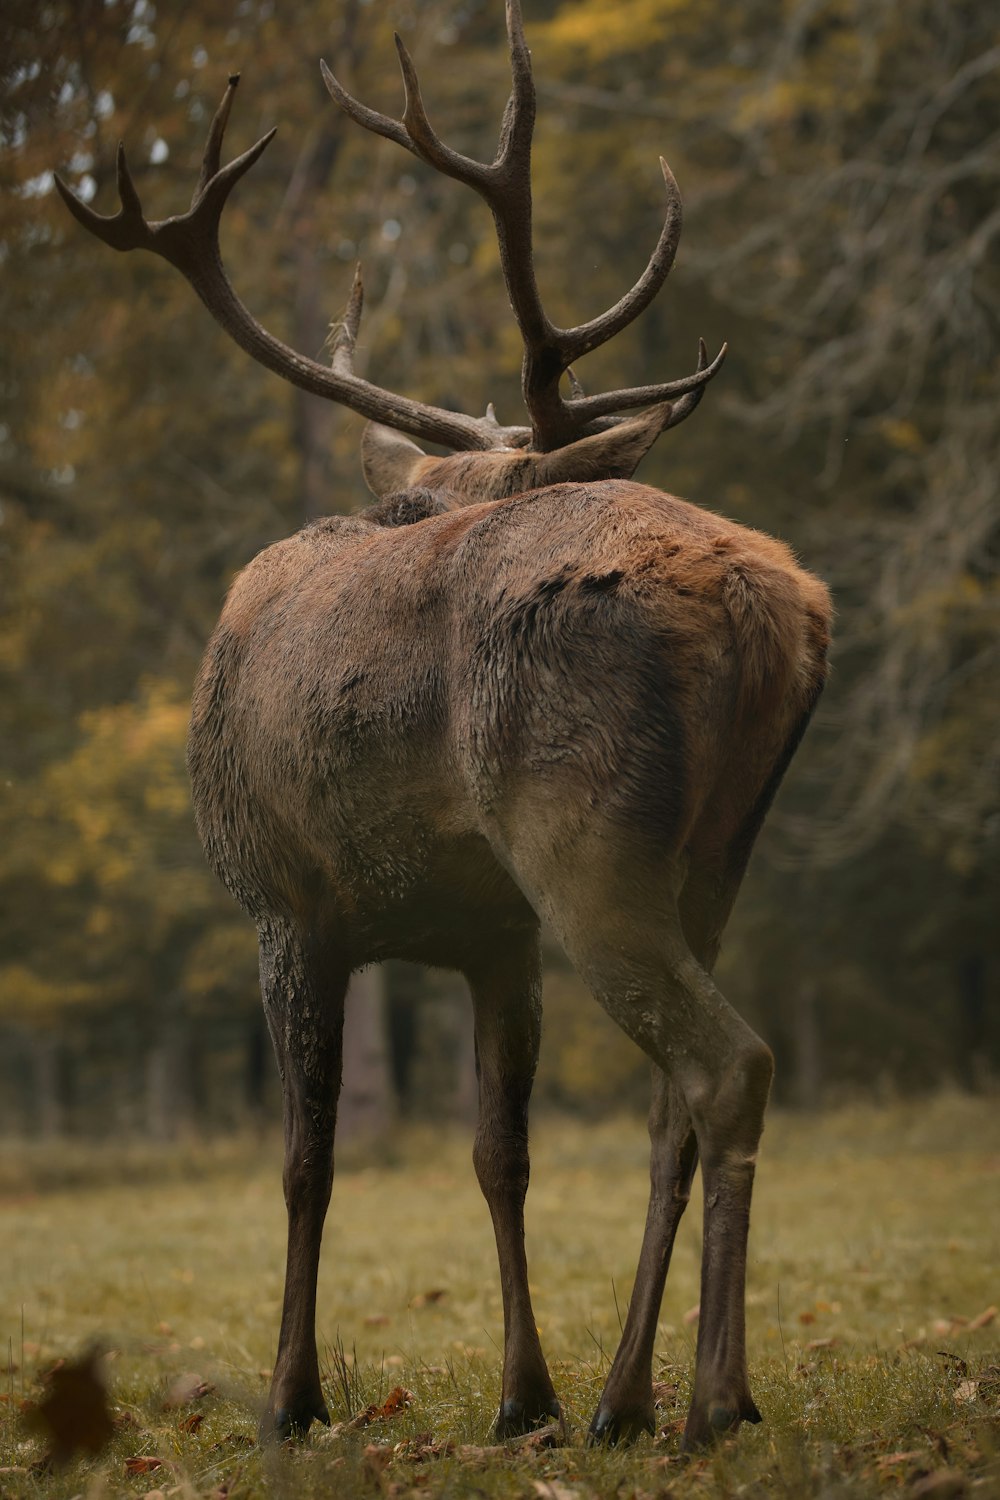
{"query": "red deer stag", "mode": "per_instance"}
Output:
(519, 687)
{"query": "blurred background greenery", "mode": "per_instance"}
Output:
(839, 164)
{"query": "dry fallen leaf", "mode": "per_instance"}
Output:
(74, 1414)
(185, 1390)
(423, 1447)
(944, 1484)
(551, 1436)
(551, 1489)
(233, 1440)
(21, 1402)
(664, 1393)
(192, 1422)
(427, 1299)
(397, 1400)
(145, 1464)
(671, 1429)
(982, 1320)
(377, 1456)
(967, 1390)
(893, 1460)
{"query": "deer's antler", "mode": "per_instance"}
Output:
(505, 184)
(191, 243)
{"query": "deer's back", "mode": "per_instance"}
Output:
(391, 704)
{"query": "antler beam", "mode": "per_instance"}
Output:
(190, 242)
(505, 184)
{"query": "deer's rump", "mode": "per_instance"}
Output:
(411, 709)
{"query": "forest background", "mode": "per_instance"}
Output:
(839, 164)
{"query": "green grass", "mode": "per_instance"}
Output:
(874, 1231)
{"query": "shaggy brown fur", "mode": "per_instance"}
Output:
(418, 731)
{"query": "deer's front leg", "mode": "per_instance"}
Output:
(303, 989)
(507, 1000)
(626, 1405)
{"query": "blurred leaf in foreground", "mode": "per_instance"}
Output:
(74, 1414)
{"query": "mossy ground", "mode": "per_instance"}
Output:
(876, 1232)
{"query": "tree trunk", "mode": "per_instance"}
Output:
(365, 1108)
(314, 418)
(973, 1063)
(443, 1079)
(169, 1092)
(808, 1082)
(49, 1114)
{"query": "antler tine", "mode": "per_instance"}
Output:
(368, 119)
(589, 409)
(211, 160)
(575, 342)
(343, 335)
(686, 405)
(426, 142)
(127, 191)
(574, 384)
(677, 409)
(518, 123)
(414, 131)
(125, 230)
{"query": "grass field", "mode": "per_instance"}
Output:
(873, 1266)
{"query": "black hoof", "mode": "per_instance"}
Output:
(610, 1427)
(293, 1421)
(516, 1418)
(703, 1429)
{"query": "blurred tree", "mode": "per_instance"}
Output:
(839, 166)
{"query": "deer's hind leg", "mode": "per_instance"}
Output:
(625, 935)
(303, 983)
(506, 994)
(626, 1408)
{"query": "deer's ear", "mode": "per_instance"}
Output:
(389, 460)
(614, 454)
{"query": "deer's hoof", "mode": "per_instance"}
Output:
(706, 1427)
(293, 1420)
(610, 1426)
(518, 1418)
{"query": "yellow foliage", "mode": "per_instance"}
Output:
(903, 435)
(586, 1058)
(116, 809)
(225, 951)
(599, 29)
(27, 993)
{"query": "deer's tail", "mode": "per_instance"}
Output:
(781, 626)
